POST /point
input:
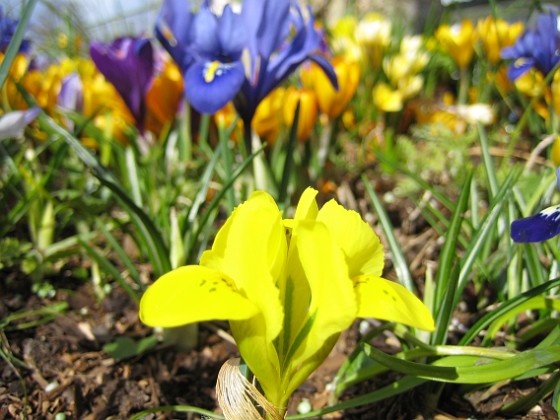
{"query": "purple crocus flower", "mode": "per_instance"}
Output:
(539, 48)
(7, 29)
(13, 123)
(128, 64)
(240, 57)
(539, 227)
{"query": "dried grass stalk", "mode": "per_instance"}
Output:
(239, 398)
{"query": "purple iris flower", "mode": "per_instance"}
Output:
(539, 227)
(7, 29)
(240, 57)
(539, 48)
(129, 65)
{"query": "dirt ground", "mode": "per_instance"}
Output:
(63, 369)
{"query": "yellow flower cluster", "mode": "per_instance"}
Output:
(403, 73)
(316, 97)
(100, 100)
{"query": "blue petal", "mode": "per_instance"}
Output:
(205, 34)
(519, 67)
(209, 86)
(232, 33)
(305, 42)
(537, 228)
(327, 68)
(173, 27)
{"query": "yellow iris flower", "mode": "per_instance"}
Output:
(288, 287)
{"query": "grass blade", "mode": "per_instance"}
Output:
(399, 260)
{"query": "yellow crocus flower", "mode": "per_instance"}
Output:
(496, 34)
(458, 41)
(343, 38)
(386, 98)
(373, 33)
(268, 119)
(287, 287)
(331, 101)
(308, 111)
(163, 97)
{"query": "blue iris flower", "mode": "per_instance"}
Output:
(7, 29)
(539, 227)
(539, 48)
(240, 57)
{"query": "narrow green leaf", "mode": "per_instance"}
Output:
(206, 414)
(448, 369)
(150, 235)
(399, 260)
(288, 163)
(487, 319)
(538, 302)
(395, 388)
(122, 255)
(110, 269)
(449, 250)
(15, 43)
(527, 402)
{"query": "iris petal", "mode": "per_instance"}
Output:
(205, 33)
(363, 250)
(333, 305)
(232, 33)
(383, 299)
(537, 228)
(192, 294)
(173, 25)
(210, 85)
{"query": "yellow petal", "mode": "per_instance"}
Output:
(333, 304)
(360, 244)
(251, 249)
(192, 294)
(307, 206)
(387, 300)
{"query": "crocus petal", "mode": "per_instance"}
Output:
(128, 63)
(363, 250)
(193, 294)
(71, 96)
(537, 228)
(13, 123)
(383, 299)
(210, 85)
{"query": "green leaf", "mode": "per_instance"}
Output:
(125, 347)
(449, 369)
(490, 317)
(399, 260)
(15, 43)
